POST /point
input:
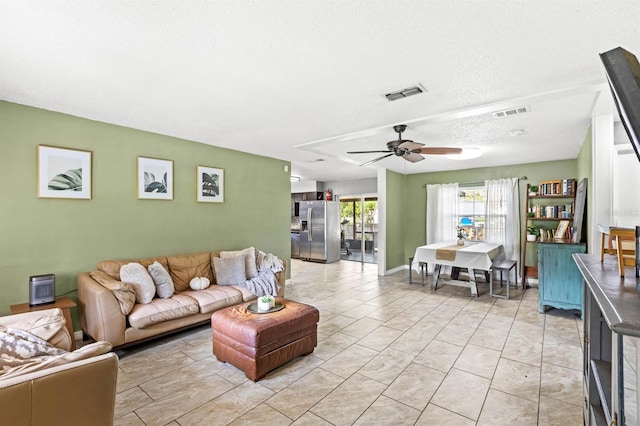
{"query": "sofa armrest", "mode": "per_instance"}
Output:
(100, 314)
(79, 393)
(282, 278)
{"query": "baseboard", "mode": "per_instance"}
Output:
(397, 269)
(77, 335)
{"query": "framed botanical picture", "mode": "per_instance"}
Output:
(210, 184)
(155, 179)
(64, 173)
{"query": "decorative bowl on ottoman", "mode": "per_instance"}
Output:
(258, 343)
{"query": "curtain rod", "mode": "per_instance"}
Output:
(473, 183)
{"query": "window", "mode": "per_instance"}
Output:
(471, 212)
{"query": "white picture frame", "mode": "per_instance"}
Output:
(563, 225)
(154, 179)
(64, 173)
(209, 184)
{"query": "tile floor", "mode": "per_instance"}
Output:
(388, 353)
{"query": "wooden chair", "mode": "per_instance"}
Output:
(626, 250)
(621, 244)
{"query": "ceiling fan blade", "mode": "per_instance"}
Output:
(377, 159)
(438, 150)
(365, 152)
(413, 157)
(410, 145)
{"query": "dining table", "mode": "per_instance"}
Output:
(475, 256)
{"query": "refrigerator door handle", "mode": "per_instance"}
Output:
(310, 233)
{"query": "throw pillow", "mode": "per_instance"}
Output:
(249, 255)
(162, 280)
(229, 271)
(140, 280)
(199, 283)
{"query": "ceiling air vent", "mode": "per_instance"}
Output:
(511, 111)
(405, 93)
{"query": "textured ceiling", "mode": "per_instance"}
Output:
(304, 80)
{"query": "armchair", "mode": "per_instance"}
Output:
(70, 388)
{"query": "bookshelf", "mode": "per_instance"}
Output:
(553, 204)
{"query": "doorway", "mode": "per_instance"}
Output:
(358, 241)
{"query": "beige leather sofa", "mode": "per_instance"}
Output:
(74, 388)
(102, 316)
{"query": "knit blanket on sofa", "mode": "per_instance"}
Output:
(268, 261)
(265, 283)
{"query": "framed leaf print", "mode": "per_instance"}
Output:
(210, 184)
(64, 173)
(155, 179)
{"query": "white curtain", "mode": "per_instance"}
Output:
(502, 211)
(442, 212)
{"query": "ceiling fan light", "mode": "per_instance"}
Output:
(466, 154)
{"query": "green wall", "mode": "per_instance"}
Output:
(395, 220)
(585, 171)
(414, 205)
(64, 237)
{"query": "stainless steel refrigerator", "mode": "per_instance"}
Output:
(320, 231)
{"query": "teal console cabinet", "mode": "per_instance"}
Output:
(560, 284)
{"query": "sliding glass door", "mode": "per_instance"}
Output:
(359, 228)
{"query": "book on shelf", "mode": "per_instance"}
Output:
(558, 211)
(557, 187)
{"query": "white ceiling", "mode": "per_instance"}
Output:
(304, 80)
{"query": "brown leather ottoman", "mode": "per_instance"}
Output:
(259, 343)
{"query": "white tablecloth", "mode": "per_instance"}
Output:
(474, 255)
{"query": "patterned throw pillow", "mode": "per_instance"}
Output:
(142, 283)
(162, 280)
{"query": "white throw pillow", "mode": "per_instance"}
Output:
(142, 283)
(162, 280)
(229, 271)
(199, 283)
(249, 256)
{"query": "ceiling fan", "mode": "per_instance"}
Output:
(407, 149)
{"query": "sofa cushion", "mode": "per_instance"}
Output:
(162, 280)
(215, 297)
(249, 256)
(247, 295)
(142, 283)
(112, 267)
(161, 310)
(188, 266)
(229, 271)
(123, 292)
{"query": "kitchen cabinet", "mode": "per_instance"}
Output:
(559, 281)
(297, 197)
(611, 340)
